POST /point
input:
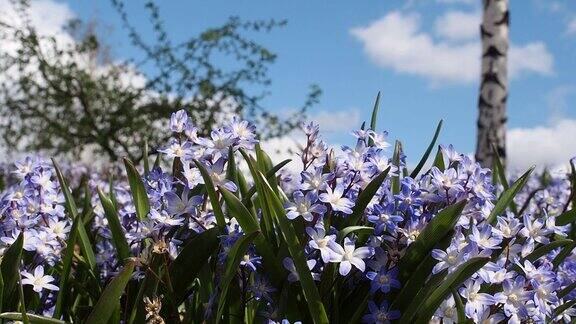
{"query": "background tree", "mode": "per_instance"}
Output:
(69, 97)
(494, 82)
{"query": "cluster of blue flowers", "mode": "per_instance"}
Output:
(517, 285)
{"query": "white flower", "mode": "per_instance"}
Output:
(38, 280)
(349, 255)
(336, 200)
(321, 241)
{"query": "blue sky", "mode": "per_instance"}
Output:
(344, 47)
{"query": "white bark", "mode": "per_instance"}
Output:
(494, 82)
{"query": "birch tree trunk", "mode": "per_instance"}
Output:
(494, 82)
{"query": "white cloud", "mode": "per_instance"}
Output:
(542, 145)
(285, 147)
(397, 41)
(458, 25)
(337, 121)
(571, 29)
(48, 17)
(530, 58)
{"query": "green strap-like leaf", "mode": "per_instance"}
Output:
(352, 229)
(564, 253)
(562, 308)
(249, 224)
(145, 158)
(411, 310)
(231, 170)
(416, 282)
(365, 197)
(441, 225)
(459, 306)
(118, 235)
(566, 218)
(85, 244)
(545, 249)
(452, 281)
(237, 251)
(108, 301)
(566, 290)
(374, 117)
(10, 268)
(508, 195)
(66, 268)
(23, 312)
(311, 294)
(439, 160)
(33, 318)
(269, 175)
(424, 158)
(266, 221)
(396, 161)
(137, 189)
(186, 267)
(1, 290)
(499, 171)
(211, 191)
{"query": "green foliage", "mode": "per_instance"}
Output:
(506, 198)
(69, 97)
(139, 195)
(206, 281)
(110, 298)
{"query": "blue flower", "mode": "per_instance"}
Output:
(514, 297)
(383, 280)
(178, 121)
(304, 206)
(380, 315)
(261, 289)
(484, 238)
(384, 218)
(177, 206)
